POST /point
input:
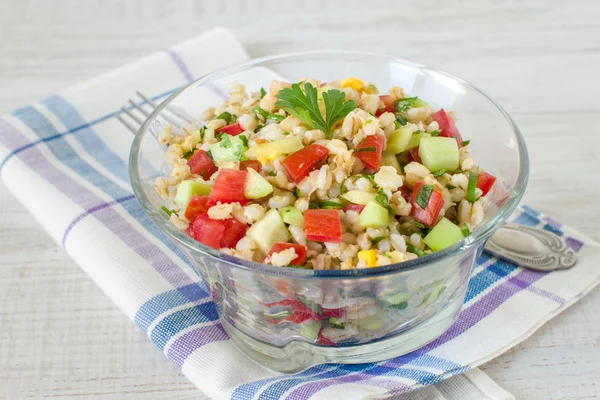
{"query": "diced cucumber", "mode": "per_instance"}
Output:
(420, 103)
(397, 298)
(390, 160)
(256, 186)
(314, 307)
(433, 295)
(358, 197)
(371, 323)
(230, 148)
(291, 216)
(415, 140)
(399, 140)
(266, 152)
(439, 153)
(268, 231)
(187, 189)
(310, 329)
(373, 216)
(442, 235)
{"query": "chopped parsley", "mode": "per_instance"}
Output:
(202, 130)
(435, 133)
(470, 195)
(405, 103)
(297, 193)
(304, 105)
(420, 225)
(188, 155)
(209, 154)
(450, 187)
(324, 204)
(366, 149)
(465, 231)
(383, 201)
(225, 141)
(378, 239)
(267, 115)
(370, 177)
(399, 306)
(423, 195)
(415, 250)
(343, 187)
(225, 116)
(166, 210)
(440, 172)
(400, 120)
(466, 142)
(263, 92)
(244, 139)
(272, 173)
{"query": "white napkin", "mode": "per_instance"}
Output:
(73, 154)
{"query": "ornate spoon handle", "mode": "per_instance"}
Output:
(531, 248)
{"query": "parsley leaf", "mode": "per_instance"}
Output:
(267, 115)
(244, 139)
(405, 103)
(423, 195)
(263, 92)
(202, 130)
(377, 239)
(169, 212)
(400, 120)
(189, 154)
(225, 116)
(466, 142)
(371, 178)
(366, 149)
(435, 133)
(225, 141)
(209, 154)
(304, 105)
(271, 173)
(382, 200)
(465, 231)
(420, 225)
(297, 193)
(470, 195)
(324, 204)
(440, 172)
(415, 250)
(343, 188)
(450, 187)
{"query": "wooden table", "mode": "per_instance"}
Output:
(61, 337)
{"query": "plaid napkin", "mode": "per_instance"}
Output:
(65, 158)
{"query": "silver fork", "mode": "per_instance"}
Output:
(528, 247)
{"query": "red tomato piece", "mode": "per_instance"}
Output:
(254, 164)
(197, 205)
(388, 102)
(323, 225)
(332, 312)
(414, 155)
(299, 249)
(299, 164)
(369, 151)
(228, 187)
(231, 129)
(323, 341)
(201, 164)
(428, 215)
(234, 231)
(354, 207)
(405, 191)
(447, 126)
(485, 182)
(208, 231)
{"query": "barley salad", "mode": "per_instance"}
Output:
(323, 175)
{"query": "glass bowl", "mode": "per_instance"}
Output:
(289, 318)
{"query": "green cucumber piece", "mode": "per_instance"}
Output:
(399, 140)
(187, 189)
(291, 216)
(310, 329)
(439, 153)
(390, 160)
(358, 197)
(371, 323)
(268, 231)
(373, 216)
(415, 140)
(399, 306)
(397, 298)
(256, 186)
(233, 151)
(314, 307)
(442, 235)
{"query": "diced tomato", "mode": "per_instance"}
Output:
(354, 207)
(254, 164)
(299, 249)
(332, 312)
(485, 182)
(369, 151)
(231, 129)
(323, 225)
(208, 231)
(197, 205)
(299, 164)
(322, 340)
(201, 164)
(428, 215)
(406, 192)
(414, 155)
(228, 187)
(234, 231)
(388, 103)
(447, 126)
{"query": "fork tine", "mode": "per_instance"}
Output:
(126, 123)
(132, 115)
(153, 104)
(146, 113)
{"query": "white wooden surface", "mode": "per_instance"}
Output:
(60, 337)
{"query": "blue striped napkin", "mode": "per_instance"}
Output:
(68, 154)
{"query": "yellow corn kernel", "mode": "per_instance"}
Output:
(353, 83)
(368, 256)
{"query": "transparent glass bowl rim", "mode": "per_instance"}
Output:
(481, 233)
